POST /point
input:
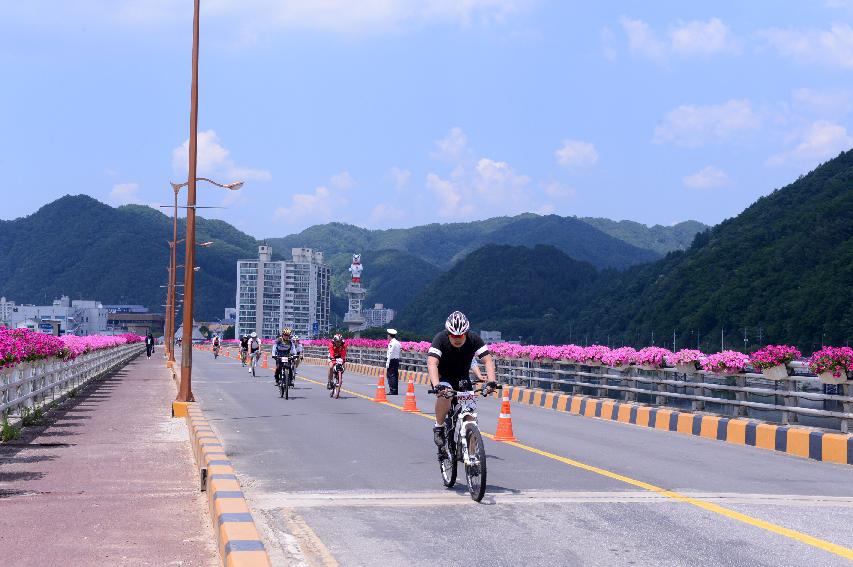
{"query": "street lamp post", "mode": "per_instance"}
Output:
(185, 393)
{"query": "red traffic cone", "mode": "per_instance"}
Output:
(410, 404)
(504, 432)
(264, 364)
(380, 390)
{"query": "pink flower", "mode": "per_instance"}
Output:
(773, 355)
(726, 362)
(837, 360)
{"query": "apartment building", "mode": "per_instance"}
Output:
(293, 293)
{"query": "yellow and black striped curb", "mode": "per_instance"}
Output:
(798, 441)
(238, 539)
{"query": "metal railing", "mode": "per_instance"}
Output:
(800, 398)
(34, 385)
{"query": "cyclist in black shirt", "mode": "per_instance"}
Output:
(244, 348)
(449, 362)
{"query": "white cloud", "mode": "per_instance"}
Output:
(706, 178)
(320, 205)
(642, 40)
(214, 162)
(821, 140)
(449, 195)
(686, 39)
(831, 47)
(315, 204)
(576, 153)
(702, 38)
(125, 193)
(452, 147)
(399, 176)
(829, 102)
(690, 125)
(342, 180)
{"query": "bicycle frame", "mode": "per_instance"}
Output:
(459, 414)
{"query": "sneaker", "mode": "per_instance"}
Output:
(438, 436)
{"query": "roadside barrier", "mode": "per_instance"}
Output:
(380, 390)
(31, 385)
(799, 441)
(504, 431)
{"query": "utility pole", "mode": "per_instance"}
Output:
(673, 340)
(722, 339)
(745, 340)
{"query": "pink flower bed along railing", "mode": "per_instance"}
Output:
(23, 345)
(831, 358)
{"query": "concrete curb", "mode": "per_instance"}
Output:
(799, 441)
(239, 541)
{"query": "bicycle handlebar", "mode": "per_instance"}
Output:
(454, 392)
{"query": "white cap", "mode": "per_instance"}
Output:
(392, 331)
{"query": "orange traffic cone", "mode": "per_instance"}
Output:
(264, 363)
(380, 390)
(504, 432)
(410, 404)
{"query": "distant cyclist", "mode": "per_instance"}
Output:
(283, 348)
(299, 350)
(254, 349)
(244, 348)
(216, 345)
(338, 349)
(449, 362)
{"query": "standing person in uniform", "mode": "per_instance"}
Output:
(149, 344)
(392, 362)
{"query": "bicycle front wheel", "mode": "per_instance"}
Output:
(476, 471)
(448, 463)
(338, 384)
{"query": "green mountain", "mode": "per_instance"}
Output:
(444, 244)
(80, 247)
(503, 287)
(661, 239)
(781, 271)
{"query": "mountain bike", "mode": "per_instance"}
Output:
(463, 441)
(337, 378)
(253, 360)
(284, 375)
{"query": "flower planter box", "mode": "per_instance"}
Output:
(648, 367)
(828, 378)
(686, 368)
(778, 372)
(591, 363)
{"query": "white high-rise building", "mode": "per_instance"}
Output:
(294, 293)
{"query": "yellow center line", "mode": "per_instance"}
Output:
(836, 549)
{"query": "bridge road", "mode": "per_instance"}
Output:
(352, 482)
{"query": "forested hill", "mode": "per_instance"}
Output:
(503, 287)
(602, 242)
(784, 266)
(85, 249)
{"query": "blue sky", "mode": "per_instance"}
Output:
(389, 113)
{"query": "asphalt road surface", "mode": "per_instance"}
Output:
(353, 482)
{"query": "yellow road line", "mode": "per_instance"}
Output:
(836, 549)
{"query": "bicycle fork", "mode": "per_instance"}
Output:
(462, 441)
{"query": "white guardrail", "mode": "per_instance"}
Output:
(800, 398)
(36, 384)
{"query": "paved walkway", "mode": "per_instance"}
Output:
(107, 480)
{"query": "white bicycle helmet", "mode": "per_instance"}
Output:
(254, 335)
(457, 323)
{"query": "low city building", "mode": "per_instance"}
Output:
(136, 323)
(77, 317)
(491, 336)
